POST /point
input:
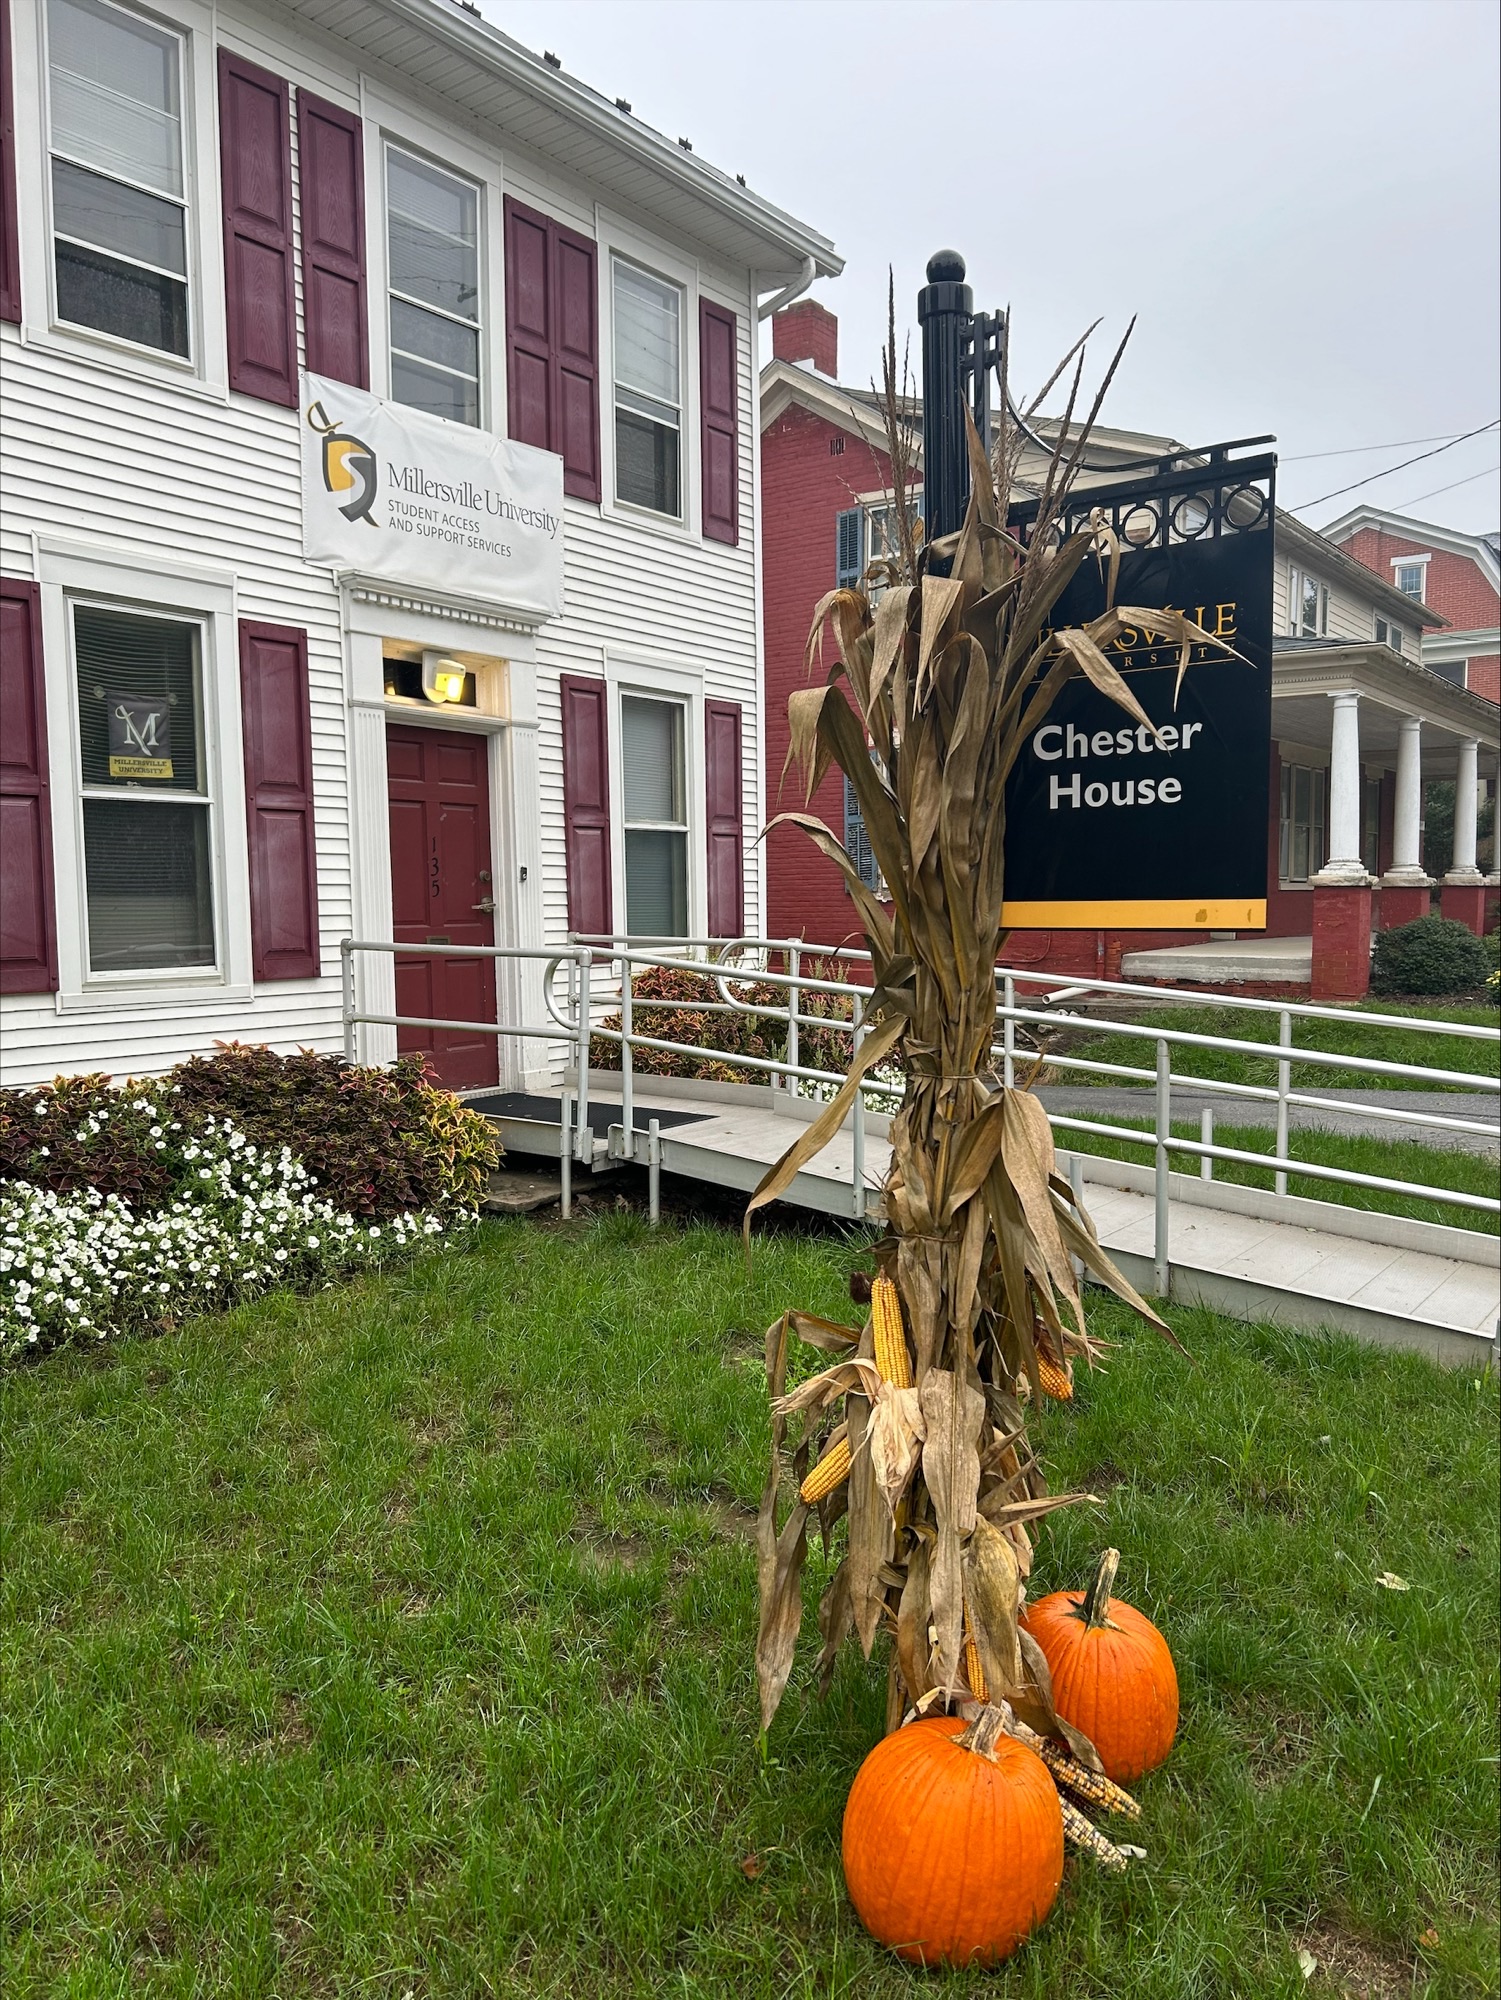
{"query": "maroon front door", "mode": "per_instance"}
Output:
(441, 893)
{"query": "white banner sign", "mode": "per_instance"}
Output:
(391, 492)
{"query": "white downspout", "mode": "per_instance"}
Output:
(790, 292)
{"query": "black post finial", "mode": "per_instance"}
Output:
(945, 267)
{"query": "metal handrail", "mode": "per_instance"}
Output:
(570, 1020)
(1070, 984)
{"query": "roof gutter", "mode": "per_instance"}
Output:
(790, 292)
(1410, 610)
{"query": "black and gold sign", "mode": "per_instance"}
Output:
(1111, 825)
(140, 736)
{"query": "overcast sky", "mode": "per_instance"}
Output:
(1298, 198)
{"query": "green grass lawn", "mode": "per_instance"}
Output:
(1355, 1152)
(1345, 1037)
(397, 1640)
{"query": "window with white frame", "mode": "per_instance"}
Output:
(1408, 578)
(1307, 606)
(647, 318)
(147, 801)
(1388, 635)
(1300, 842)
(119, 190)
(433, 281)
(654, 787)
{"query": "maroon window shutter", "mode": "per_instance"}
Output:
(725, 819)
(576, 361)
(719, 422)
(10, 237)
(552, 343)
(255, 164)
(28, 934)
(331, 177)
(586, 805)
(278, 731)
(529, 325)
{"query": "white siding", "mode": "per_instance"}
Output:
(121, 457)
(1352, 613)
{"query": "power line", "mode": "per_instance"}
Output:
(1402, 466)
(1433, 490)
(1354, 450)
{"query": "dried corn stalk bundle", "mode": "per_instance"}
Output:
(925, 1455)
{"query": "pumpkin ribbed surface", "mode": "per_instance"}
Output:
(1114, 1681)
(948, 1856)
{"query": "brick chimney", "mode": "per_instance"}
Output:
(807, 331)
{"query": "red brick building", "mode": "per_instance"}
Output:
(1459, 575)
(1360, 720)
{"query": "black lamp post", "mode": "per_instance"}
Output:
(945, 313)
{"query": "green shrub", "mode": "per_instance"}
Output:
(82, 1132)
(1431, 955)
(378, 1142)
(683, 1013)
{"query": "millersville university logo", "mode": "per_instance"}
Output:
(349, 467)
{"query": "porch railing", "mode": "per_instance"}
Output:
(588, 980)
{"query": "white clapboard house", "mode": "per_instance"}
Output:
(378, 524)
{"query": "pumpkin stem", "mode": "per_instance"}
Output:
(981, 1736)
(1094, 1606)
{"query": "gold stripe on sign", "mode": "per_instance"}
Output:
(1185, 914)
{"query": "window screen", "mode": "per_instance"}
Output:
(648, 391)
(432, 237)
(147, 838)
(654, 795)
(119, 217)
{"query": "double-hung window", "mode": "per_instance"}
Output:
(654, 783)
(1388, 635)
(1300, 851)
(119, 196)
(1308, 606)
(147, 807)
(648, 325)
(1408, 578)
(432, 247)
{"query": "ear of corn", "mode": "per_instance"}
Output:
(831, 1471)
(1052, 1378)
(974, 1673)
(1078, 1832)
(890, 1337)
(1091, 1786)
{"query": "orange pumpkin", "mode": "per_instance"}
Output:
(1113, 1676)
(951, 1856)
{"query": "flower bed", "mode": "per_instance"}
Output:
(124, 1209)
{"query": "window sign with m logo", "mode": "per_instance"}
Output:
(140, 736)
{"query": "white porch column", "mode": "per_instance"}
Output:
(1466, 810)
(1344, 865)
(1406, 871)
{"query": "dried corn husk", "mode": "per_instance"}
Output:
(925, 708)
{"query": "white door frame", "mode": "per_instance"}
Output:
(505, 655)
